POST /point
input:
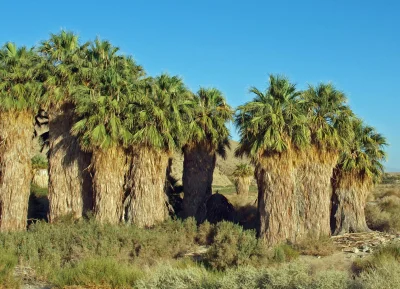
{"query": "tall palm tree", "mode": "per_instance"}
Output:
(157, 130)
(102, 106)
(328, 118)
(20, 96)
(242, 175)
(69, 180)
(207, 137)
(273, 132)
(359, 168)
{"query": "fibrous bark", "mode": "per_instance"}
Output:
(313, 193)
(70, 183)
(109, 171)
(198, 168)
(242, 185)
(276, 202)
(16, 142)
(351, 194)
(146, 203)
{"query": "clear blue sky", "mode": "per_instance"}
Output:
(233, 45)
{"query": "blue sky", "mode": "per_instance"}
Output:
(233, 45)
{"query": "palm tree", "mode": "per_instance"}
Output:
(207, 137)
(359, 168)
(273, 132)
(157, 130)
(69, 180)
(102, 106)
(20, 96)
(242, 175)
(328, 118)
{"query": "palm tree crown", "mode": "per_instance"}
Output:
(20, 83)
(160, 113)
(273, 121)
(364, 153)
(328, 116)
(209, 118)
(103, 104)
(243, 170)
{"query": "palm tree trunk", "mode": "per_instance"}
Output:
(242, 185)
(70, 183)
(351, 194)
(110, 168)
(198, 168)
(276, 210)
(313, 191)
(146, 204)
(16, 136)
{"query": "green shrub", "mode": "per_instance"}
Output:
(284, 253)
(8, 261)
(233, 246)
(380, 258)
(51, 247)
(39, 162)
(96, 272)
(323, 246)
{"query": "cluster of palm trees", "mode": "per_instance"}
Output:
(112, 130)
(315, 161)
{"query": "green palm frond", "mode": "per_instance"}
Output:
(160, 113)
(209, 117)
(328, 116)
(273, 121)
(243, 170)
(364, 153)
(21, 87)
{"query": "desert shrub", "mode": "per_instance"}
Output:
(387, 276)
(95, 272)
(233, 246)
(167, 276)
(8, 261)
(38, 191)
(380, 258)
(39, 162)
(205, 233)
(49, 247)
(284, 253)
(331, 279)
(384, 214)
(323, 246)
(293, 275)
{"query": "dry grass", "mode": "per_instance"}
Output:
(315, 246)
(383, 213)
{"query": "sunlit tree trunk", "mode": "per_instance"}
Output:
(351, 194)
(109, 171)
(276, 213)
(70, 183)
(147, 202)
(313, 191)
(198, 168)
(16, 143)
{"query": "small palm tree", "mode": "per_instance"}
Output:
(157, 130)
(242, 176)
(70, 184)
(102, 107)
(20, 95)
(273, 132)
(358, 169)
(328, 119)
(207, 136)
